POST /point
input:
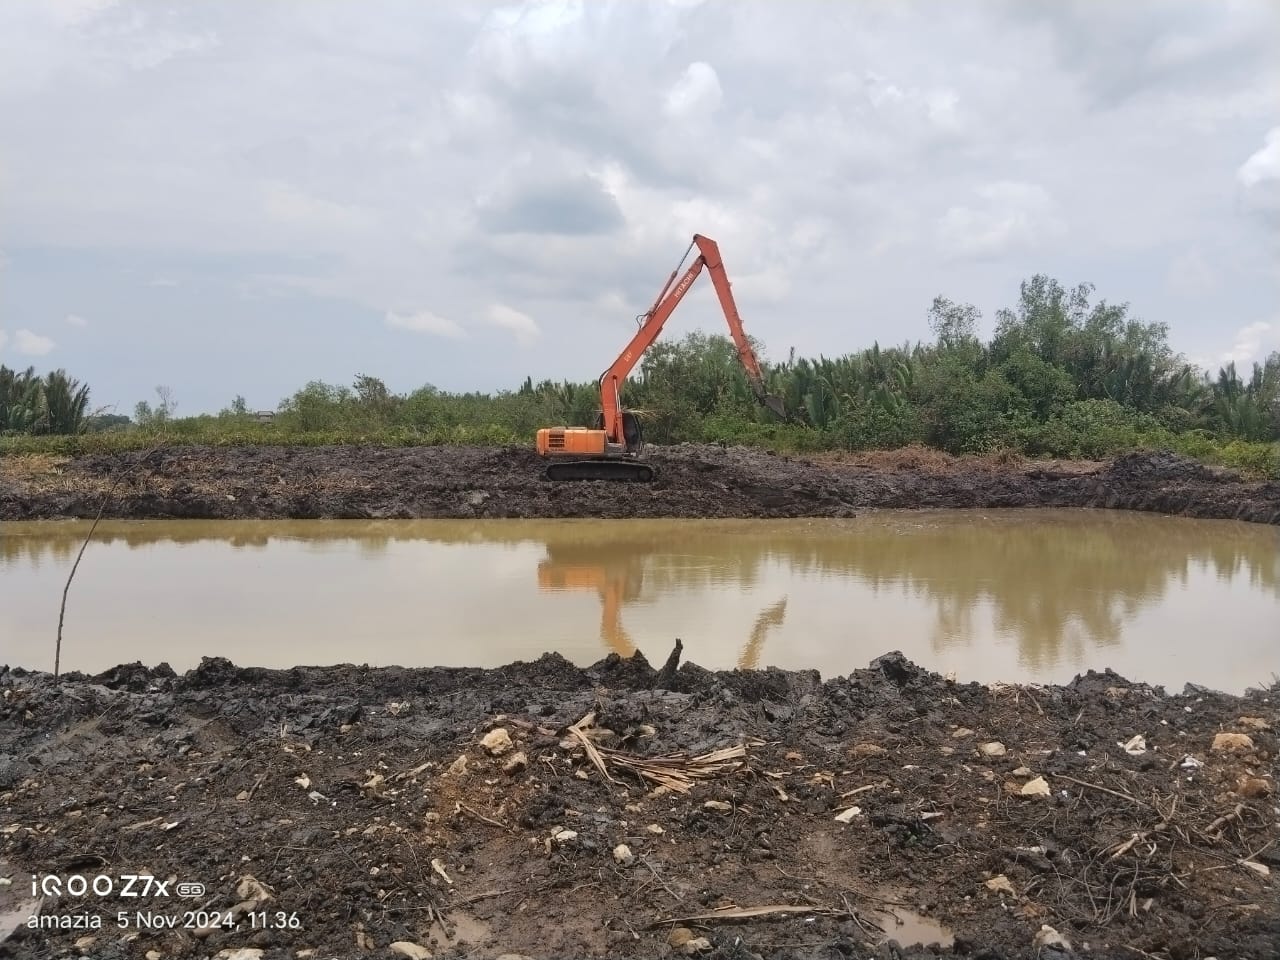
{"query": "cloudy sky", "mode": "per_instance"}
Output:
(235, 197)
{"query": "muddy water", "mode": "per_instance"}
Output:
(1005, 595)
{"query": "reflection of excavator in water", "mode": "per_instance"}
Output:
(611, 450)
(618, 581)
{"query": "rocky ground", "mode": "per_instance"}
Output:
(549, 811)
(693, 481)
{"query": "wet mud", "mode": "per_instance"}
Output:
(546, 810)
(693, 481)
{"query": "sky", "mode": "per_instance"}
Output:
(234, 198)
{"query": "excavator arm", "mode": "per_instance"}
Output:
(656, 318)
(609, 451)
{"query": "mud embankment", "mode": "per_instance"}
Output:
(693, 481)
(549, 811)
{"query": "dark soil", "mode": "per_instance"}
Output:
(334, 798)
(693, 481)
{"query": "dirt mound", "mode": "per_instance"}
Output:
(694, 480)
(545, 810)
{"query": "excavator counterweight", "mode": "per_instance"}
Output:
(611, 450)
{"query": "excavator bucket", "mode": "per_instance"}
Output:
(776, 405)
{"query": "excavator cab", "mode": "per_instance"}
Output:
(611, 449)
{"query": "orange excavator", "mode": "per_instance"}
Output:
(611, 450)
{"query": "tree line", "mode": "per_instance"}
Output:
(41, 405)
(1062, 374)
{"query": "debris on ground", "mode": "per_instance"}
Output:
(642, 821)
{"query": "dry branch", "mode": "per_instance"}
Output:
(748, 913)
(675, 771)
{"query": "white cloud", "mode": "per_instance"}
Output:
(1263, 164)
(1259, 177)
(1252, 343)
(522, 326)
(1011, 214)
(287, 204)
(76, 12)
(4, 338)
(424, 321)
(696, 93)
(163, 46)
(75, 320)
(32, 344)
(853, 161)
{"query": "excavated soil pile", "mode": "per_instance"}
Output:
(693, 481)
(548, 811)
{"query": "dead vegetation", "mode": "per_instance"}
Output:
(548, 811)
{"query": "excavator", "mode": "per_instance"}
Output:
(611, 450)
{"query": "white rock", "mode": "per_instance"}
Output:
(497, 742)
(1039, 787)
(999, 884)
(993, 749)
(1136, 746)
(438, 866)
(1046, 936)
(623, 856)
(407, 948)
(846, 816)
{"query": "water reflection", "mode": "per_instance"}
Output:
(1003, 595)
(616, 572)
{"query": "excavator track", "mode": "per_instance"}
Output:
(623, 470)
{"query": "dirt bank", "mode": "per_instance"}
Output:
(694, 481)
(346, 809)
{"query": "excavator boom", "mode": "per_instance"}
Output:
(610, 451)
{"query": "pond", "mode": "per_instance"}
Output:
(1006, 595)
